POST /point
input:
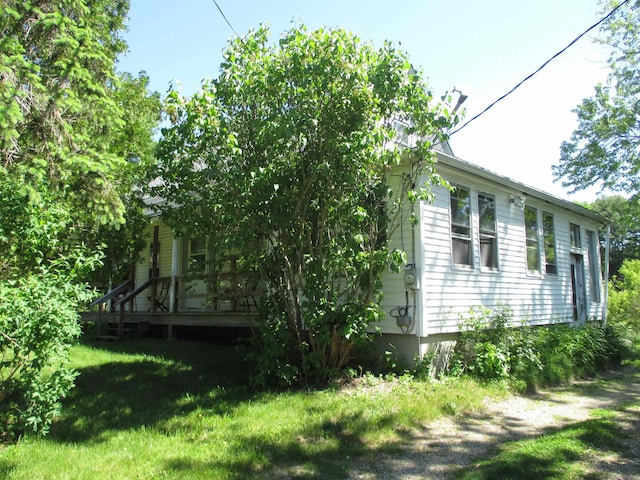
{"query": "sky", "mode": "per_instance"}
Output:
(481, 47)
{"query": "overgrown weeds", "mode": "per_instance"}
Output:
(491, 348)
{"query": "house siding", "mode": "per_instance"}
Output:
(449, 292)
(446, 293)
(396, 295)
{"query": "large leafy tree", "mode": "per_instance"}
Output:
(605, 148)
(288, 157)
(68, 128)
(625, 232)
(121, 242)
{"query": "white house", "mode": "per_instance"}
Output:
(490, 241)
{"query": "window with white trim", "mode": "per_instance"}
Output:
(488, 232)
(197, 257)
(533, 244)
(574, 232)
(461, 245)
(549, 237)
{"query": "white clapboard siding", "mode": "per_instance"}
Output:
(406, 238)
(448, 293)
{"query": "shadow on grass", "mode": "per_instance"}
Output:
(165, 380)
(610, 388)
(6, 468)
(168, 380)
(561, 453)
(320, 451)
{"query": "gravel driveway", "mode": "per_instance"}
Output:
(444, 446)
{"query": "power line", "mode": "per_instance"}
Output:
(510, 91)
(229, 23)
(540, 68)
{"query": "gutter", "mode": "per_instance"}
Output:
(526, 190)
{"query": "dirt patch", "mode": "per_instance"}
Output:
(444, 446)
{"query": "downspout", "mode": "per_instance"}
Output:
(607, 245)
(418, 294)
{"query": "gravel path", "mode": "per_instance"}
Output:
(444, 446)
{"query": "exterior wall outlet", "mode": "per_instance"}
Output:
(403, 320)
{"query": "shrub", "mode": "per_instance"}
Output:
(38, 323)
(490, 347)
(624, 295)
(482, 351)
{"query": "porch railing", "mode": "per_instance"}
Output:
(200, 293)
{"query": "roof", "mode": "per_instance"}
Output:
(519, 188)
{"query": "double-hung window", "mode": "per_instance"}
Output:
(574, 233)
(531, 232)
(461, 246)
(197, 255)
(488, 237)
(549, 234)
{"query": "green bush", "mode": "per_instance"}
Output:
(486, 344)
(38, 323)
(490, 347)
(624, 295)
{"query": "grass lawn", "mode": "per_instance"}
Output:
(152, 409)
(583, 450)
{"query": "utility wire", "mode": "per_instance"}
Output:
(540, 68)
(510, 91)
(229, 23)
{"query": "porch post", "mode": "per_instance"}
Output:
(173, 307)
(606, 274)
(155, 269)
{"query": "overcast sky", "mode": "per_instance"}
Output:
(483, 48)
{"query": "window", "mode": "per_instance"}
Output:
(531, 232)
(402, 137)
(154, 259)
(488, 238)
(574, 231)
(594, 275)
(197, 255)
(461, 246)
(549, 234)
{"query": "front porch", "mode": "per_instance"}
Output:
(114, 325)
(168, 303)
(178, 282)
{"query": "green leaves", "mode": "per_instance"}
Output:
(624, 215)
(605, 148)
(34, 345)
(59, 70)
(68, 126)
(287, 155)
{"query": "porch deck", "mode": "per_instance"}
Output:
(140, 321)
(165, 305)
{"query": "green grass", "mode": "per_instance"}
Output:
(150, 409)
(567, 453)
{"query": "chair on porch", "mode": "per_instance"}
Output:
(162, 297)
